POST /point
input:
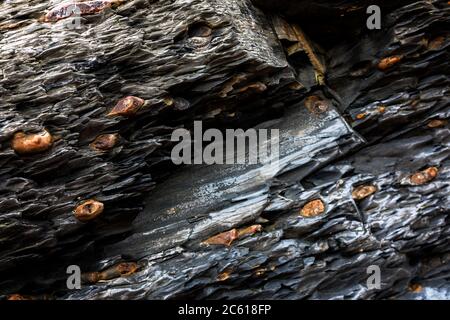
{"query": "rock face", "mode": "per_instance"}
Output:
(92, 90)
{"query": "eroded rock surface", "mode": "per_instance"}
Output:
(363, 108)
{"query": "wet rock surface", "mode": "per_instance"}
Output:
(86, 178)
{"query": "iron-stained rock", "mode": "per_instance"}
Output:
(313, 209)
(88, 210)
(363, 191)
(361, 113)
(31, 143)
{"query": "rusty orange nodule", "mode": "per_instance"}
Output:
(256, 87)
(225, 275)
(436, 43)
(316, 105)
(389, 62)
(127, 106)
(105, 142)
(224, 238)
(122, 269)
(249, 230)
(423, 177)
(31, 143)
(127, 268)
(312, 209)
(90, 277)
(415, 288)
(361, 116)
(362, 192)
(437, 123)
(88, 210)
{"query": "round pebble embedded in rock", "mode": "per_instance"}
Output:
(362, 192)
(313, 209)
(23, 143)
(88, 210)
